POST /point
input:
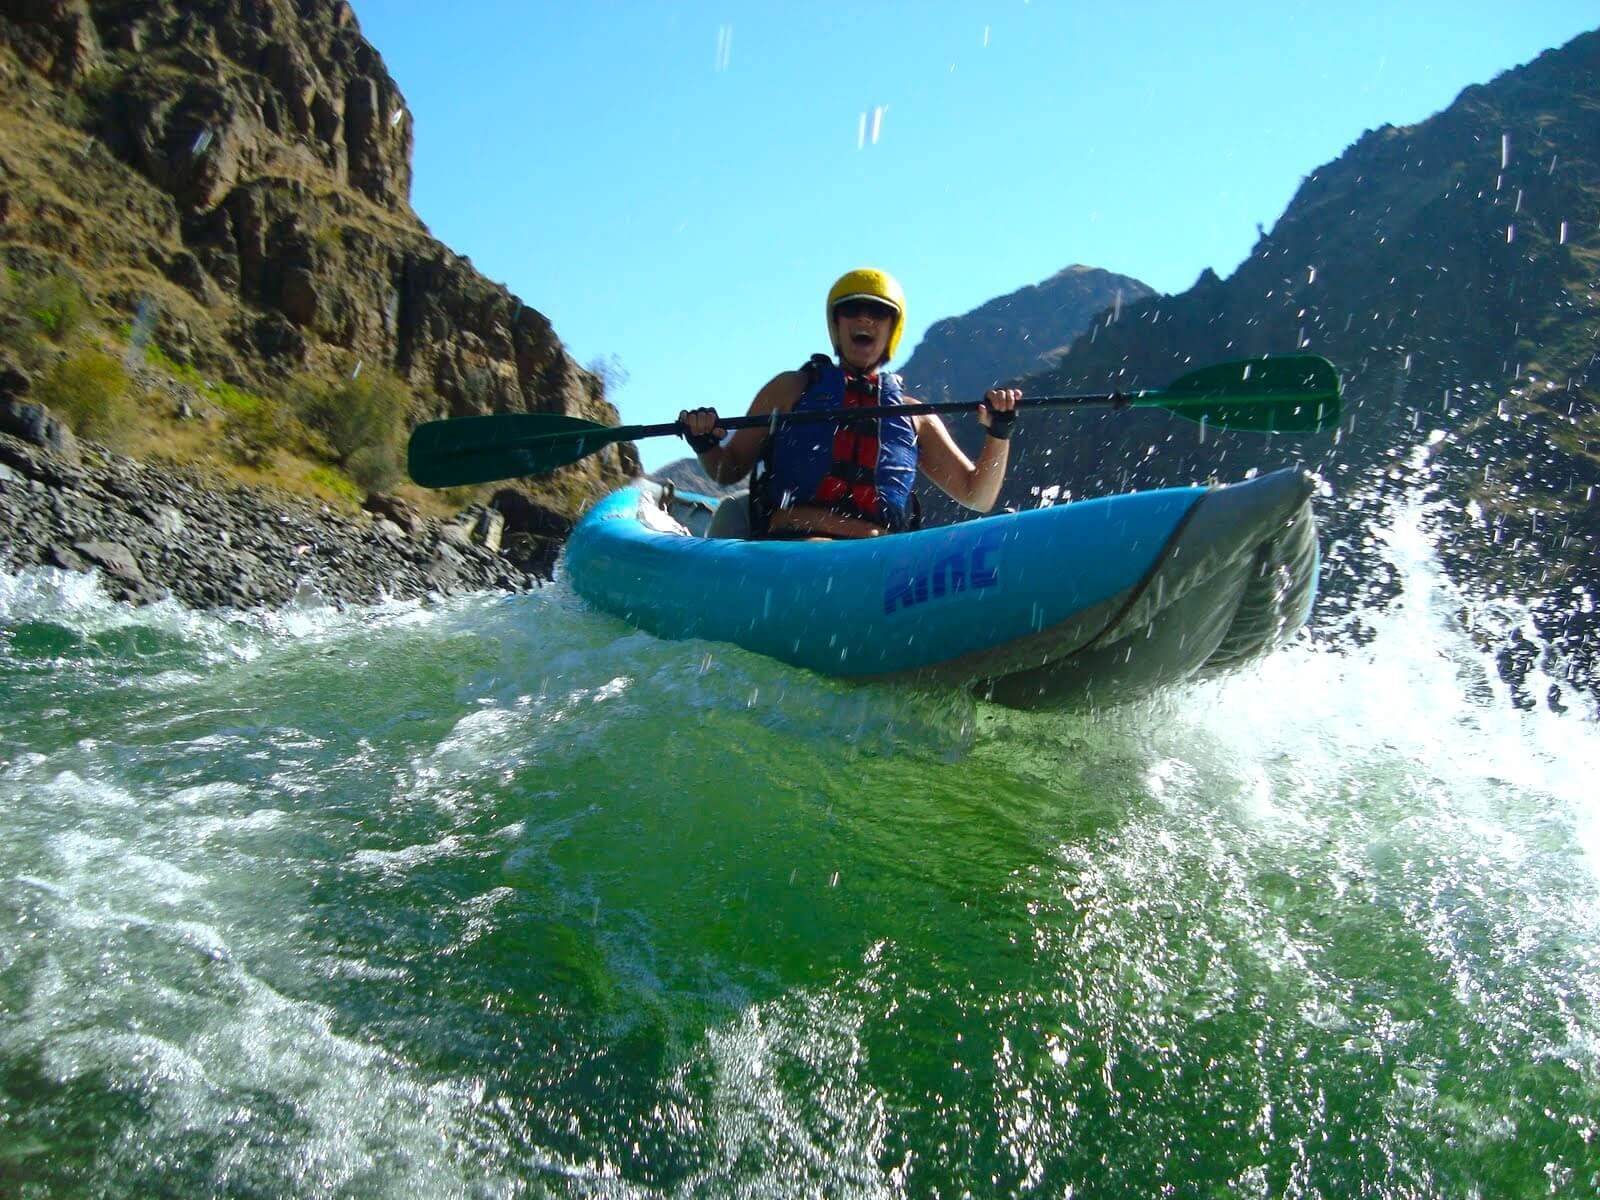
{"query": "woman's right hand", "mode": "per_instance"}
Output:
(701, 428)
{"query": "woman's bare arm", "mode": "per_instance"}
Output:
(976, 485)
(732, 460)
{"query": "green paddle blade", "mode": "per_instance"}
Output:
(468, 450)
(1297, 393)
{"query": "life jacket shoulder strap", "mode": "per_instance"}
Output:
(813, 367)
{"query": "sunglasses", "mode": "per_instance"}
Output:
(851, 309)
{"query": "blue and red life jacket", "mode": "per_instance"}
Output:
(862, 469)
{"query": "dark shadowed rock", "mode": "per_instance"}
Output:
(525, 515)
(14, 382)
(37, 424)
(299, 298)
(392, 508)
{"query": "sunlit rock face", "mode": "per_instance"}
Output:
(257, 157)
(1450, 269)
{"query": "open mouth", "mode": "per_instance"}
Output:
(863, 338)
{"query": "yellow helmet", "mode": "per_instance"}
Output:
(867, 283)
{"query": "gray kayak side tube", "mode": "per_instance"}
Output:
(1237, 577)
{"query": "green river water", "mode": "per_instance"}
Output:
(498, 897)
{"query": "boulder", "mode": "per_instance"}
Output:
(14, 382)
(393, 508)
(113, 558)
(489, 529)
(37, 424)
(526, 515)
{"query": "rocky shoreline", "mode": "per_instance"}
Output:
(154, 531)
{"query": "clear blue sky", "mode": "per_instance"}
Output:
(676, 185)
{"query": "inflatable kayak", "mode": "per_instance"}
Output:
(1077, 604)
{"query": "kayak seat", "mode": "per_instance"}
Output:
(732, 518)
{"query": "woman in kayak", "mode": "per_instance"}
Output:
(853, 479)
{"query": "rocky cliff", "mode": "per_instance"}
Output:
(242, 168)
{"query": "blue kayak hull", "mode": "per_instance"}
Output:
(1077, 604)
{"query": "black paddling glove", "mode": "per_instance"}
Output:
(1001, 423)
(701, 442)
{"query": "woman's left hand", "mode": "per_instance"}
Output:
(997, 401)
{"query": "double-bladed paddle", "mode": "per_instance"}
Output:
(1297, 393)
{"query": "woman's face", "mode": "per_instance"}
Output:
(861, 329)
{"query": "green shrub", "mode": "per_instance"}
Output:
(236, 400)
(157, 357)
(56, 304)
(88, 390)
(335, 481)
(375, 468)
(75, 111)
(254, 433)
(12, 333)
(364, 423)
(99, 85)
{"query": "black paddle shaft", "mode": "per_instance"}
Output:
(1292, 394)
(840, 415)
